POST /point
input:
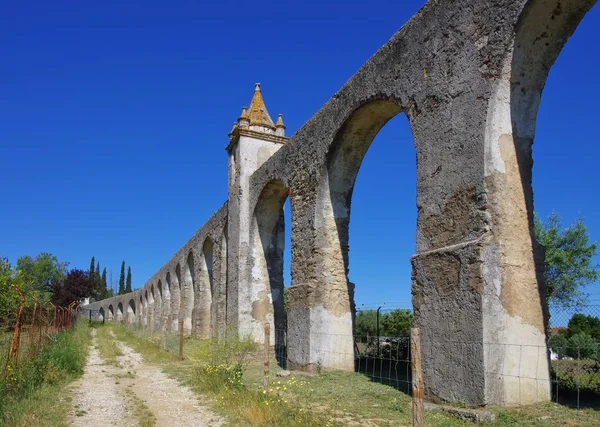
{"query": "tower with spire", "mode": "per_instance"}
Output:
(252, 141)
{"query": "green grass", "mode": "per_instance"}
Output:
(106, 344)
(34, 392)
(151, 351)
(325, 399)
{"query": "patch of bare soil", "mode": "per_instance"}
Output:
(171, 403)
(134, 394)
(96, 398)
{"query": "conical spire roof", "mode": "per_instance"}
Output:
(259, 116)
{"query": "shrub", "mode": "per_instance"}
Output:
(577, 374)
(580, 345)
(223, 362)
(59, 361)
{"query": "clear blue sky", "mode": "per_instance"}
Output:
(114, 118)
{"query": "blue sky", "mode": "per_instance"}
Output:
(114, 118)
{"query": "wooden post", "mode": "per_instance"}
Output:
(267, 355)
(47, 324)
(417, 377)
(181, 339)
(40, 328)
(54, 321)
(31, 334)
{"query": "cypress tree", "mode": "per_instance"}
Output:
(122, 279)
(104, 284)
(92, 264)
(128, 288)
(97, 271)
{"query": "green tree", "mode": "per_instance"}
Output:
(396, 323)
(104, 284)
(128, 286)
(568, 261)
(587, 324)
(92, 266)
(122, 279)
(38, 276)
(74, 287)
(9, 299)
(365, 323)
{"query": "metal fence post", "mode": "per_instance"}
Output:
(417, 377)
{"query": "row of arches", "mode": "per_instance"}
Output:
(188, 292)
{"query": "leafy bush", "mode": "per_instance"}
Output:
(577, 374)
(580, 341)
(223, 362)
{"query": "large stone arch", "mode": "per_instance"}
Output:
(165, 306)
(101, 314)
(266, 266)
(203, 290)
(140, 311)
(131, 311)
(119, 316)
(111, 312)
(333, 308)
(515, 309)
(157, 295)
(186, 280)
(146, 307)
(219, 290)
(152, 305)
(174, 290)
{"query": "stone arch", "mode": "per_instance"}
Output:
(518, 302)
(152, 307)
(131, 311)
(165, 305)
(187, 281)
(334, 304)
(267, 245)
(219, 294)
(158, 316)
(173, 285)
(203, 290)
(119, 317)
(140, 311)
(101, 314)
(111, 312)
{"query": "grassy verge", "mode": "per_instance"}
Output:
(33, 393)
(106, 344)
(325, 399)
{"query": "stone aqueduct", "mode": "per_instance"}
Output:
(469, 75)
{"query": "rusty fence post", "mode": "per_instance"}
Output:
(267, 355)
(417, 377)
(31, 334)
(181, 339)
(13, 351)
(54, 320)
(48, 325)
(40, 328)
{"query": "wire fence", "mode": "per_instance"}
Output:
(30, 330)
(380, 349)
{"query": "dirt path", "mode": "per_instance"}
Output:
(133, 394)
